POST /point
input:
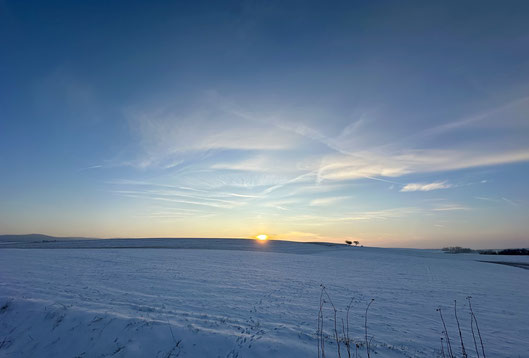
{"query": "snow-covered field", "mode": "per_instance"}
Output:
(252, 301)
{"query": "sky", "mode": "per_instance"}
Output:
(397, 124)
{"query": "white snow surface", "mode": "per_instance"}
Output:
(156, 302)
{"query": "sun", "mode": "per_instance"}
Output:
(262, 237)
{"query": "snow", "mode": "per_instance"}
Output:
(251, 300)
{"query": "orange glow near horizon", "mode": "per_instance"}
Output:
(262, 237)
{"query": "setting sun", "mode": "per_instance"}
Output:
(262, 237)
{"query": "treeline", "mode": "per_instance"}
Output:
(457, 250)
(466, 250)
(505, 252)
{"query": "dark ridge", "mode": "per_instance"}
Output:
(36, 238)
(48, 242)
(521, 265)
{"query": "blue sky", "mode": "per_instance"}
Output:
(392, 123)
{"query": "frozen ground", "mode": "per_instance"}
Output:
(249, 301)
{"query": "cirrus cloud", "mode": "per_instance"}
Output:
(425, 186)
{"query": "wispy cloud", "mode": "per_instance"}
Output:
(425, 186)
(369, 164)
(306, 177)
(200, 202)
(180, 194)
(450, 207)
(178, 213)
(484, 198)
(281, 204)
(167, 134)
(91, 167)
(383, 214)
(328, 200)
(498, 200)
(488, 115)
(509, 201)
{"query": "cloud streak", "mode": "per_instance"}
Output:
(425, 187)
(328, 200)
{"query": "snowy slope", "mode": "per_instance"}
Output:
(235, 303)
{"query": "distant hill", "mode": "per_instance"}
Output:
(35, 238)
(35, 241)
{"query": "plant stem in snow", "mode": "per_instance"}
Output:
(463, 352)
(336, 335)
(365, 327)
(477, 327)
(348, 340)
(446, 334)
(321, 342)
(473, 335)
